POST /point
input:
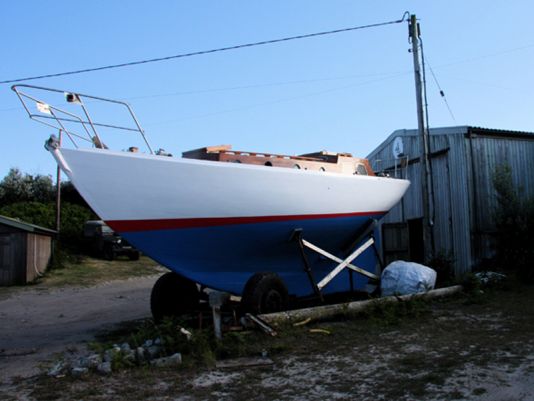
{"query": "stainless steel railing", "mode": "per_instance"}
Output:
(89, 131)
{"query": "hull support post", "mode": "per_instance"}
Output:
(297, 234)
(342, 263)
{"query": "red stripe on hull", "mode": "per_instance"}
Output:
(170, 224)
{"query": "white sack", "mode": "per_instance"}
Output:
(401, 278)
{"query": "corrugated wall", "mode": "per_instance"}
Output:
(451, 189)
(443, 237)
(382, 159)
(460, 206)
(489, 151)
(462, 171)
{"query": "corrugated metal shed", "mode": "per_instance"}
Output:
(463, 161)
(25, 251)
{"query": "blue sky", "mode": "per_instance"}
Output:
(344, 92)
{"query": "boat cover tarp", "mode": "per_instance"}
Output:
(402, 278)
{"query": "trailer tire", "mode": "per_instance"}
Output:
(173, 295)
(264, 293)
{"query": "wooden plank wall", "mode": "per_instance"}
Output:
(12, 257)
(38, 254)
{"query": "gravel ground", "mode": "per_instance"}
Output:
(462, 348)
(38, 323)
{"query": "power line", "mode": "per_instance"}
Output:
(441, 92)
(379, 76)
(202, 52)
(286, 99)
(487, 55)
(264, 85)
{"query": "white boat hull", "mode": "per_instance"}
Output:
(218, 223)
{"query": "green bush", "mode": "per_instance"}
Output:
(514, 221)
(30, 198)
(73, 218)
(443, 263)
(41, 214)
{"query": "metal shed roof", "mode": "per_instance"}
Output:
(21, 225)
(454, 130)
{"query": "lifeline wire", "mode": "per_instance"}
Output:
(198, 53)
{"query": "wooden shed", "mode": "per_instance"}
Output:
(25, 251)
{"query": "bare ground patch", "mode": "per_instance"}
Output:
(461, 348)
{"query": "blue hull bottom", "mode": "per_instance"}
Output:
(225, 257)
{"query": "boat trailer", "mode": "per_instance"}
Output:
(364, 239)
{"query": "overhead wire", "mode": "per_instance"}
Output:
(383, 75)
(379, 77)
(441, 92)
(203, 52)
(286, 99)
(266, 85)
(485, 56)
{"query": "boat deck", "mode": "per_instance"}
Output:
(342, 163)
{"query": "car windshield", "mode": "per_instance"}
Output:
(106, 230)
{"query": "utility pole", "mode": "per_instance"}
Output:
(58, 199)
(424, 141)
(58, 193)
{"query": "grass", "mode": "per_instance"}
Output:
(88, 271)
(201, 350)
(85, 271)
(392, 314)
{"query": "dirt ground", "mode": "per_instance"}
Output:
(463, 348)
(38, 322)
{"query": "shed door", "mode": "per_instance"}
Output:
(417, 243)
(395, 240)
(403, 241)
(7, 260)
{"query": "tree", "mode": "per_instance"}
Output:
(31, 199)
(14, 187)
(71, 195)
(18, 187)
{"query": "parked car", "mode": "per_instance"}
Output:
(103, 242)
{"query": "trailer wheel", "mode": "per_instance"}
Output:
(264, 293)
(173, 295)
